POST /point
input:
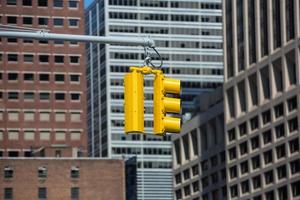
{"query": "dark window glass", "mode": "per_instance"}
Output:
(58, 22)
(13, 76)
(244, 167)
(231, 135)
(59, 59)
(255, 143)
(27, 2)
(292, 103)
(27, 20)
(42, 193)
(8, 172)
(12, 57)
(240, 35)
(74, 59)
(74, 193)
(254, 123)
(75, 96)
(11, 20)
(251, 30)
(229, 43)
(295, 166)
(282, 193)
(276, 23)
(294, 145)
(59, 77)
(44, 77)
(279, 131)
(290, 26)
(28, 77)
(43, 21)
(13, 154)
(268, 157)
(264, 28)
(245, 186)
(255, 162)
(296, 189)
(44, 96)
(60, 96)
(11, 2)
(13, 95)
(8, 193)
(281, 172)
(266, 117)
(43, 3)
(269, 178)
(267, 137)
(58, 3)
(28, 58)
(73, 4)
(75, 172)
(44, 58)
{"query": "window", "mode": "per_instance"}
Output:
(293, 125)
(27, 20)
(59, 59)
(74, 59)
(8, 193)
(254, 123)
(58, 3)
(268, 157)
(195, 170)
(233, 191)
(8, 172)
(280, 151)
(11, 2)
(266, 117)
(187, 190)
(245, 186)
(269, 177)
(292, 103)
(255, 143)
(74, 193)
(27, 2)
(244, 167)
(205, 182)
(43, 21)
(42, 193)
(28, 96)
(281, 172)
(13, 95)
(44, 58)
(278, 110)
(12, 57)
(282, 193)
(11, 20)
(59, 96)
(243, 148)
(44, 77)
(280, 131)
(178, 178)
(28, 58)
(186, 174)
(73, 22)
(44, 96)
(295, 166)
(296, 189)
(294, 145)
(233, 172)
(73, 4)
(231, 135)
(43, 3)
(75, 96)
(58, 22)
(74, 172)
(13, 154)
(255, 162)
(195, 186)
(12, 76)
(267, 137)
(232, 153)
(28, 77)
(74, 78)
(59, 77)
(42, 172)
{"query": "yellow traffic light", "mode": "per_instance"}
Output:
(134, 102)
(163, 104)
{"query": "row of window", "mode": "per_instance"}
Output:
(43, 96)
(14, 41)
(164, 17)
(146, 151)
(282, 192)
(73, 4)
(31, 135)
(30, 58)
(215, 194)
(165, 4)
(14, 76)
(42, 116)
(265, 119)
(42, 193)
(279, 150)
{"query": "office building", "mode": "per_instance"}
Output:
(199, 152)
(261, 91)
(42, 92)
(188, 36)
(62, 178)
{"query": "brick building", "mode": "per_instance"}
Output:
(42, 83)
(62, 178)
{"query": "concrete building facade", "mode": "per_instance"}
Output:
(188, 36)
(62, 178)
(261, 91)
(199, 152)
(42, 84)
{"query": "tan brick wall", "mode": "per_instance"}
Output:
(99, 179)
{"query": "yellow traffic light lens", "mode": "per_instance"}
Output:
(172, 105)
(172, 124)
(171, 85)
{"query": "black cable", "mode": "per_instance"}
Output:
(161, 60)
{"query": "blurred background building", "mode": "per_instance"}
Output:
(261, 50)
(199, 152)
(42, 92)
(189, 39)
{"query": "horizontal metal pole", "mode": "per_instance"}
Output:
(42, 35)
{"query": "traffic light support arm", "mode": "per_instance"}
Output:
(44, 35)
(145, 70)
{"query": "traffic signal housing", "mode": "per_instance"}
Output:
(134, 102)
(164, 104)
